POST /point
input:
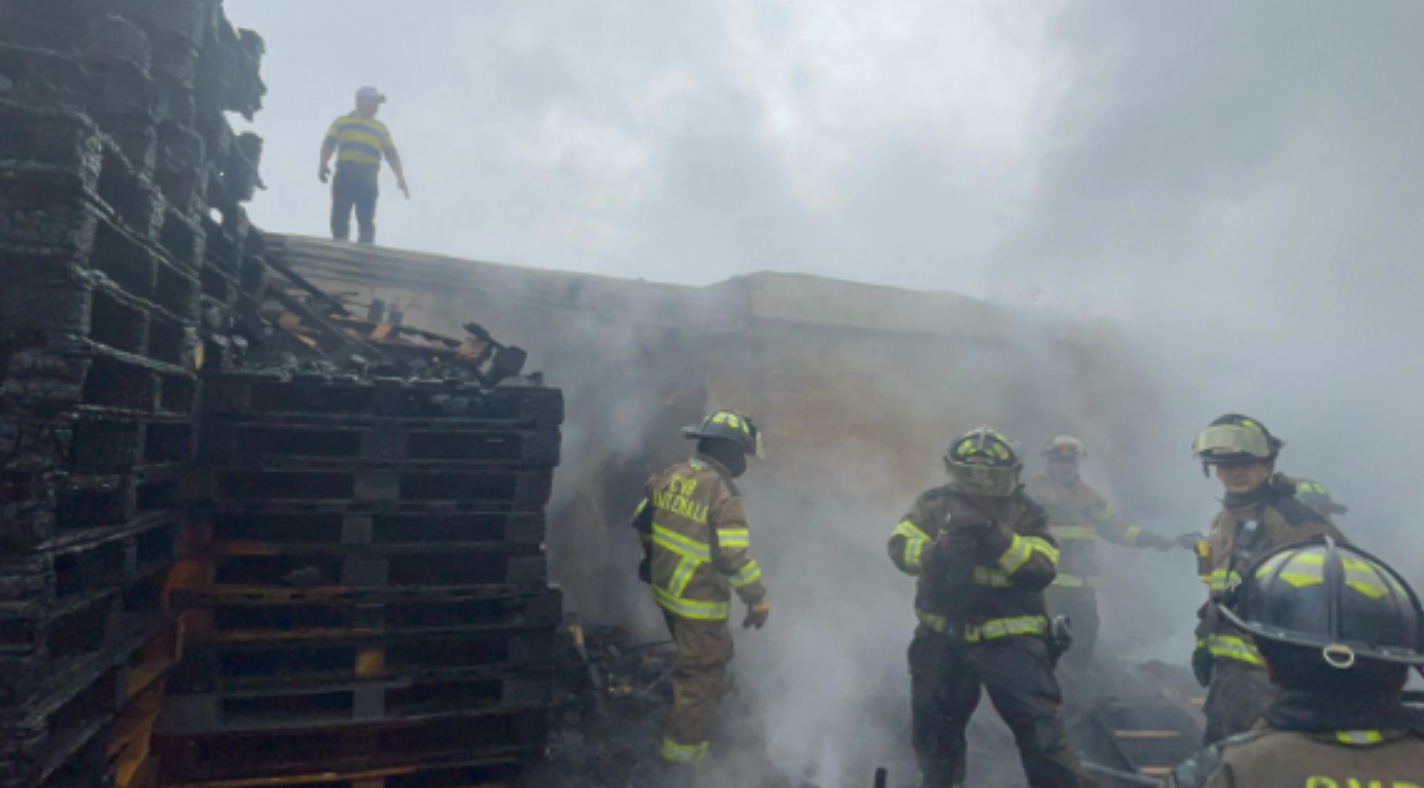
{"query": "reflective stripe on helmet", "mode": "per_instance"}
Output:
(1359, 738)
(1308, 569)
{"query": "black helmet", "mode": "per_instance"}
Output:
(1234, 439)
(983, 462)
(729, 425)
(1313, 494)
(1335, 598)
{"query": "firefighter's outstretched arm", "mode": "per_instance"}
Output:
(1114, 529)
(731, 541)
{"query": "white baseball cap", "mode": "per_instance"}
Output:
(369, 92)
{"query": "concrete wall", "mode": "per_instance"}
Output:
(859, 388)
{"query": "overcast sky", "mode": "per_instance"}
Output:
(682, 141)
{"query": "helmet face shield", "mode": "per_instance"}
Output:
(984, 480)
(1232, 444)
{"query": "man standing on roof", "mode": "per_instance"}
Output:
(1078, 517)
(359, 142)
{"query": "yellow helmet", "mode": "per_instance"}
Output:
(983, 462)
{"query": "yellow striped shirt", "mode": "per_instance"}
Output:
(360, 140)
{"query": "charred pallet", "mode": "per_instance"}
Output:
(248, 442)
(498, 487)
(514, 403)
(518, 533)
(361, 567)
(44, 645)
(432, 741)
(65, 510)
(392, 699)
(294, 615)
(100, 562)
(311, 645)
(495, 772)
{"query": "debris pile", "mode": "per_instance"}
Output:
(120, 191)
(612, 695)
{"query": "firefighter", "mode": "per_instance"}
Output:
(1078, 517)
(982, 555)
(1339, 631)
(695, 553)
(1316, 496)
(1259, 513)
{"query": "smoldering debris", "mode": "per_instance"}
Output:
(612, 698)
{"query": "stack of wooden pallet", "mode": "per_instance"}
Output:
(366, 601)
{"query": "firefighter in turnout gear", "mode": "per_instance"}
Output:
(982, 555)
(1339, 631)
(695, 547)
(1078, 517)
(1259, 513)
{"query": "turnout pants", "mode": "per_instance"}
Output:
(946, 679)
(1080, 605)
(354, 186)
(1238, 694)
(699, 680)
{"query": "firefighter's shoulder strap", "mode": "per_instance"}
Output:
(1295, 511)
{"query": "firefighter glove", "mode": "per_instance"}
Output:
(940, 553)
(757, 615)
(1202, 665)
(645, 571)
(1188, 541)
(324, 174)
(975, 528)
